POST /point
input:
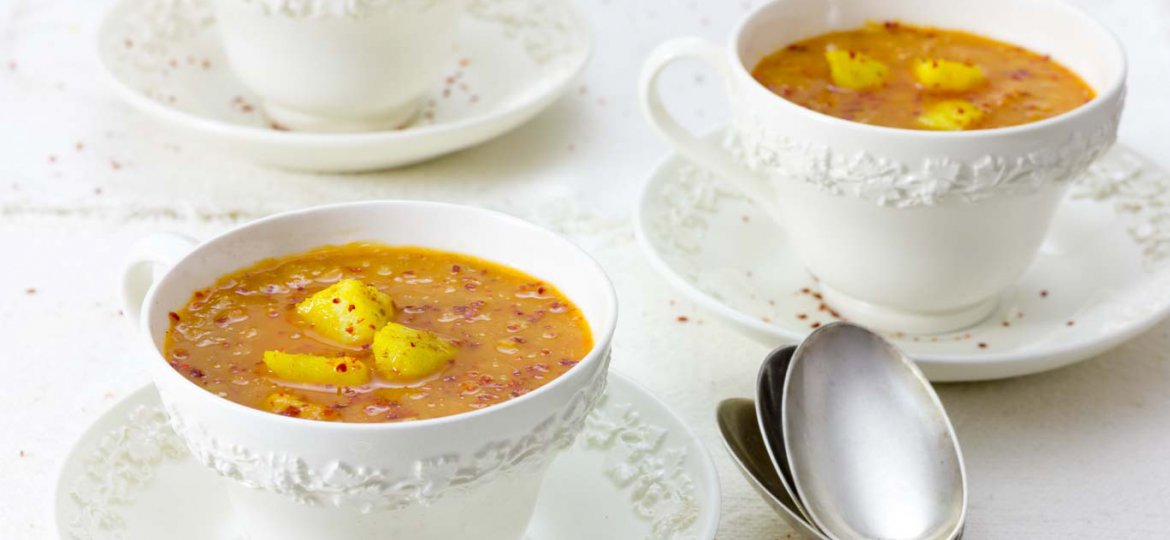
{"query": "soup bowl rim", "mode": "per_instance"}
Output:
(1114, 89)
(602, 335)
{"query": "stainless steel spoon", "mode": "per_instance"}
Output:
(873, 453)
(741, 436)
(769, 400)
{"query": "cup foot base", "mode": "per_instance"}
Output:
(889, 319)
(294, 120)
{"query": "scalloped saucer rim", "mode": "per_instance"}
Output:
(627, 412)
(965, 355)
(398, 148)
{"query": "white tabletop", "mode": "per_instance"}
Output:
(1077, 453)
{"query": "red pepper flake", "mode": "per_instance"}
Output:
(683, 318)
(174, 316)
(815, 325)
(114, 164)
(349, 330)
(1044, 293)
(351, 307)
(30, 291)
(342, 368)
(336, 300)
(197, 373)
(22, 454)
(1070, 323)
(802, 316)
(291, 411)
(540, 290)
(455, 268)
(1006, 324)
(982, 345)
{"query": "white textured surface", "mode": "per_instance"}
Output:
(1077, 453)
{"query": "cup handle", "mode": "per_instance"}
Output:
(708, 154)
(157, 251)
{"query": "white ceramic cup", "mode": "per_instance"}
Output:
(906, 230)
(470, 475)
(339, 65)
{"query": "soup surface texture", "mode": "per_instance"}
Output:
(897, 75)
(373, 333)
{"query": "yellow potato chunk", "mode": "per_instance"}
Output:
(402, 353)
(313, 369)
(348, 312)
(948, 75)
(289, 404)
(950, 115)
(854, 70)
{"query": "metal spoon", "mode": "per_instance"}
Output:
(741, 436)
(873, 452)
(769, 400)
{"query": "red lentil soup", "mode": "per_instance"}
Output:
(903, 76)
(489, 333)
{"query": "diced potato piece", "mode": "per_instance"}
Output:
(854, 70)
(289, 404)
(348, 312)
(951, 115)
(402, 353)
(948, 75)
(313, 369)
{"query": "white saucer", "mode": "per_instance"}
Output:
(635, 472)
(514, 58)
(1102, 277)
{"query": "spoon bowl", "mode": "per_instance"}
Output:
(769, 412)
(873, 453)
(741, 436)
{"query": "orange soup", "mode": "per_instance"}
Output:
(904, 76)
(373, 333)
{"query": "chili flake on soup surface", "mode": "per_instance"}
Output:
(903, 76)
(373, 333)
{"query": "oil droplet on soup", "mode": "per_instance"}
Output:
(507, 334)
